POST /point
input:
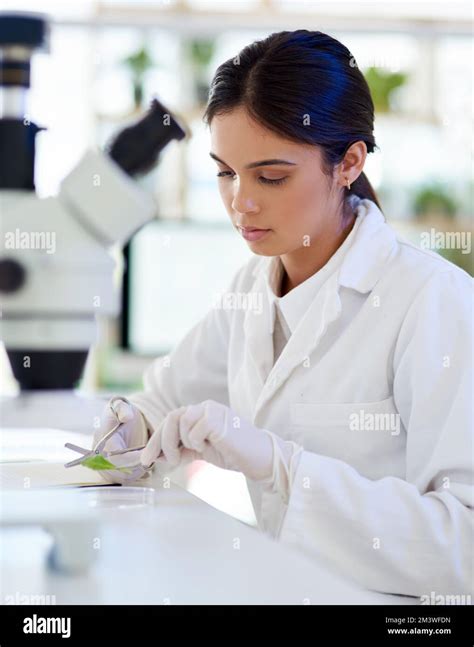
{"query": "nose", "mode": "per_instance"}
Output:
(242, 202)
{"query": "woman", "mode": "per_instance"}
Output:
(345, 398)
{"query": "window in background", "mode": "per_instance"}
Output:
(203, 201)
(134, 66)
(61, 100)
(455, 109)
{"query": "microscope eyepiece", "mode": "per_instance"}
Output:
(22, 29)
(136, 148)
(20, 35)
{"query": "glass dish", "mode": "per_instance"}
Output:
(119, 497)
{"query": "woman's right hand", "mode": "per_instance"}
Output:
(132, 433)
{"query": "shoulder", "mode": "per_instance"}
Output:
(440, 293)
(418, 255)
(421, 270)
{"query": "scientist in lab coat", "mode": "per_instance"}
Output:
(335, 373)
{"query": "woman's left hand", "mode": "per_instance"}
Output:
(212, 432)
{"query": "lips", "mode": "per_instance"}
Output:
(251, 228)
(253, 233)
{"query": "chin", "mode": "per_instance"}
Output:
(263, 248)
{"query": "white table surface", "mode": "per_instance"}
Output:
(179, 551)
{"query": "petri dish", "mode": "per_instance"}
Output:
(119, 497)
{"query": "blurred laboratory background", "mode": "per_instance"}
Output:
(109, 58)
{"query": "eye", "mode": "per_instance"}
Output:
(263, 180)
(266, 180)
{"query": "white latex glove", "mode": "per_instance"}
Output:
(134, 433)
(213, 432)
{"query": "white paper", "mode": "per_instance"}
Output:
(32, 458)
(32, 475)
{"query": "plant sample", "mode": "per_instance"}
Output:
(99, 462)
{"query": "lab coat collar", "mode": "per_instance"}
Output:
(375, 243)
(372, 247)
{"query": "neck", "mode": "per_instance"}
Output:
(303, 262)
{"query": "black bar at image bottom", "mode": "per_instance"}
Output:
(394, 624)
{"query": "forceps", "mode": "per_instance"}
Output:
(95, 451)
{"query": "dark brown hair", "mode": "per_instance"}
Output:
(304, 86)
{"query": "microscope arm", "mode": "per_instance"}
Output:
(105, 200)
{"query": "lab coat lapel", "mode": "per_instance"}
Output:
(258, 333)
(324, 310)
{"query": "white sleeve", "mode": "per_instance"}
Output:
(410, 536)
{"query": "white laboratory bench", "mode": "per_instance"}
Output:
(175, 549)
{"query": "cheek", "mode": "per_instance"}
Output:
(225, 191)
(297, 206)
(310, 201)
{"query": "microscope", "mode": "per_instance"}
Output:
(56, 269)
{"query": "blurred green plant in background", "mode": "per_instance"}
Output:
(138, 64)
(200, 52)
(434, 199)
(433, 204)
(382, 86)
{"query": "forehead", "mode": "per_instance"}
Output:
(238, 139)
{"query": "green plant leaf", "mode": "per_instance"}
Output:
(382, 84)
(201, 52)
(99, 462)
(139, 62)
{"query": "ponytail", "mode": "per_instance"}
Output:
(363, 188)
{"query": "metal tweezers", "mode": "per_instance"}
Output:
(95, 451)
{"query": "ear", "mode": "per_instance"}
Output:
(352, 165)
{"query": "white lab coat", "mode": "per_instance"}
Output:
(389, 333)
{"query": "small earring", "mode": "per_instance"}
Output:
(348, 184)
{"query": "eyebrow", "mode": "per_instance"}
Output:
(269, 162)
